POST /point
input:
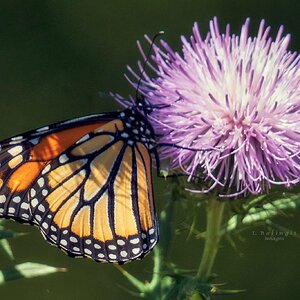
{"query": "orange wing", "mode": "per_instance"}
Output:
(88, 188)
(23, 158)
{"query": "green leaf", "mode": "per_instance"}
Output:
(4, 244)
(27, 270)
(133, 280)
(7, 233)
(262, 213)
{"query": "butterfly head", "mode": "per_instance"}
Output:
(145, 107)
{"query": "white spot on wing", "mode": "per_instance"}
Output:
(46, 169)
(15, 161)
(112, 256)
(15, 150)
(34, 141)
(124, 135)
(64, 242)
(136, 250)
(84, 138)
(17, 138)
(41, 182)
(134, 241)
(41, 208)
(42, 129)
(2, 198)
(38, 217)
(44, 192)
(24, 205)
(11, 210)
(16, 199)
(63, 158)
(120, 242)
(88, 251)
(123, 253)
(151, 231)
(73, 239)
(32, 192)
(34, 202)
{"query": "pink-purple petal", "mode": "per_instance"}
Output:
(238, 96)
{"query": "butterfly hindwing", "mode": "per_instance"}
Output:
(87, 186)
(99, 201)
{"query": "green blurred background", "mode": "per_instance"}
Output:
(55, 58)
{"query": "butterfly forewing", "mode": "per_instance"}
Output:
(23, 157)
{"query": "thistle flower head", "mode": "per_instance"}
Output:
(237, 98)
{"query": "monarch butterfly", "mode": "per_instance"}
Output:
(86, 183)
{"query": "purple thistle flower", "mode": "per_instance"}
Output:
(238, 97)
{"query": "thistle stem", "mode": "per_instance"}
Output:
(214, 212)
(157, 285)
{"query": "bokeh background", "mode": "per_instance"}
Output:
(57, 59)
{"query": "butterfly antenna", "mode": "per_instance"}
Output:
(146, 60)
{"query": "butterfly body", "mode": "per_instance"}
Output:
(86, 183)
